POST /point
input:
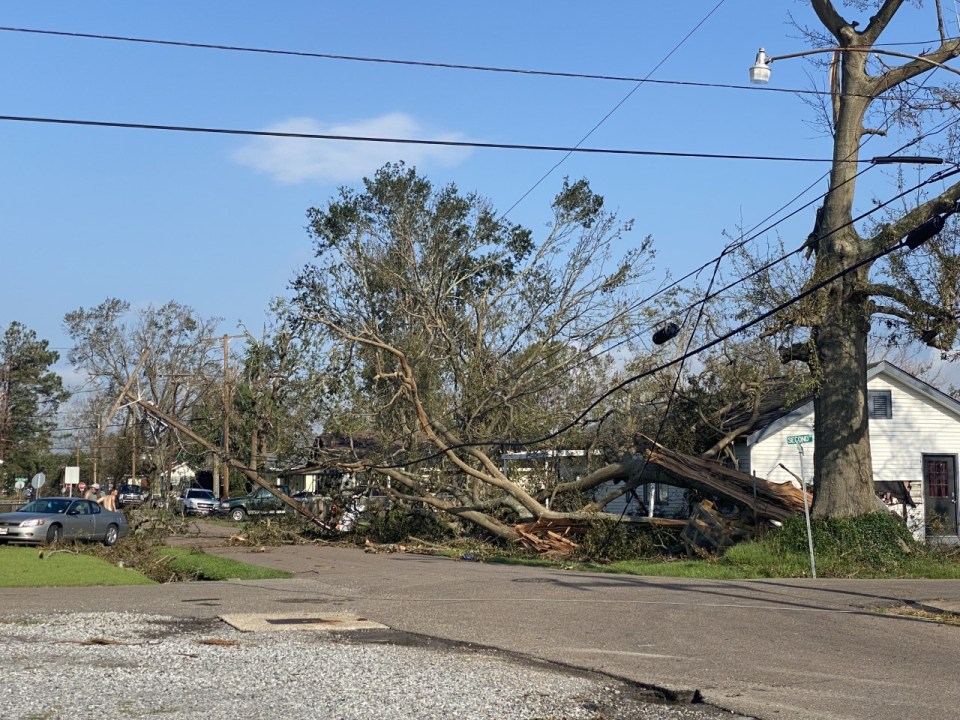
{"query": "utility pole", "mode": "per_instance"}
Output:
(225, 491)
(227, 460)
(5, 406)
(133, 447)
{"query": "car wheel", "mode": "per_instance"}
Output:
(237, 514)
(54, 534)
(111, 536)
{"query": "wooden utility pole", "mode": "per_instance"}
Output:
(225, 492)
(133, 447)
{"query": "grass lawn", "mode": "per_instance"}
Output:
(70, 567)
(212, 567)
(23, 567)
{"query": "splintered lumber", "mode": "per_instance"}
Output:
(550, 537)
(774, 501)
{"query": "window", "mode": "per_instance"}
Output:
(879, 404)
(938, 480)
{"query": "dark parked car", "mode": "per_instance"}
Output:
(50, 519)
(259, 502)
(131, 495)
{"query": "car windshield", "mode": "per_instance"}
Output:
(53, 506)
(131, 489)
(201, 494)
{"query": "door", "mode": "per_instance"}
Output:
(79, 523)
(940, 494)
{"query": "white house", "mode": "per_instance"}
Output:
(914, 437)
(180, 475)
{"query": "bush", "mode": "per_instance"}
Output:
(605, 540)
(875, 545)
(877, 540)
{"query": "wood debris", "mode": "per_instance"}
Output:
(708, 532)
(550, 537)
(767, 500)
(218, 641)
(372, 547)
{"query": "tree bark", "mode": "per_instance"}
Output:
(841, 457)
(843, 471)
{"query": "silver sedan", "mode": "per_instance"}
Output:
(51, 519)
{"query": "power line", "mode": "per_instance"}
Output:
(663, 366)
(425, 63)
(616, 107)
(754, 233)
(406, 141)
(396, 61)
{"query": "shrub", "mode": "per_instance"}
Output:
(605, 540)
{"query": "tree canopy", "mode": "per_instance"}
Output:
(30, 395)
(452, 334)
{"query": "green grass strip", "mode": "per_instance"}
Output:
(202, 566)
(27, 567)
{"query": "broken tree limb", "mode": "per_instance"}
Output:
(253, 476)
(774, 501)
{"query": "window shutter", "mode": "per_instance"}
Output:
(879, 404)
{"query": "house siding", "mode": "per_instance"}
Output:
(918, 426)
(674, 506)
(766, 456)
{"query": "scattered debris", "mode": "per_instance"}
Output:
(218, 641)
(372, 547)
(707, 531)
(767, 500)
(550, 537)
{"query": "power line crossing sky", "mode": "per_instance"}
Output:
(217, 222)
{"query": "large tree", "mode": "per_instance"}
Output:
(178, 370)
(452, 333)
(277, 397)
(839, 316)
(30, 395)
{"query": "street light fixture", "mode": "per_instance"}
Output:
(760, 70)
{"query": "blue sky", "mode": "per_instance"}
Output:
(217, 222)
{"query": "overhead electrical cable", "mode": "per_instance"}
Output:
(754, 233)
(616, 107)
(743, 327)
(404, 141)
(420, 63)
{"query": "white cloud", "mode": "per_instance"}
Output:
(295, 160)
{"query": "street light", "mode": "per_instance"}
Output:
(760, 70)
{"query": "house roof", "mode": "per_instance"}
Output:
(798, 412)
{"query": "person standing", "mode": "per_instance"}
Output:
(109, 501)
(92, 492)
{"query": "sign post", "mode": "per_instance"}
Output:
(71, 477)
(799, 441)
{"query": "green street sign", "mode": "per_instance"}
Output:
(799, 439)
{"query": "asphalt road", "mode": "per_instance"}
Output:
(768, 649)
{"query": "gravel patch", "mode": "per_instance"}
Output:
(124, 665)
